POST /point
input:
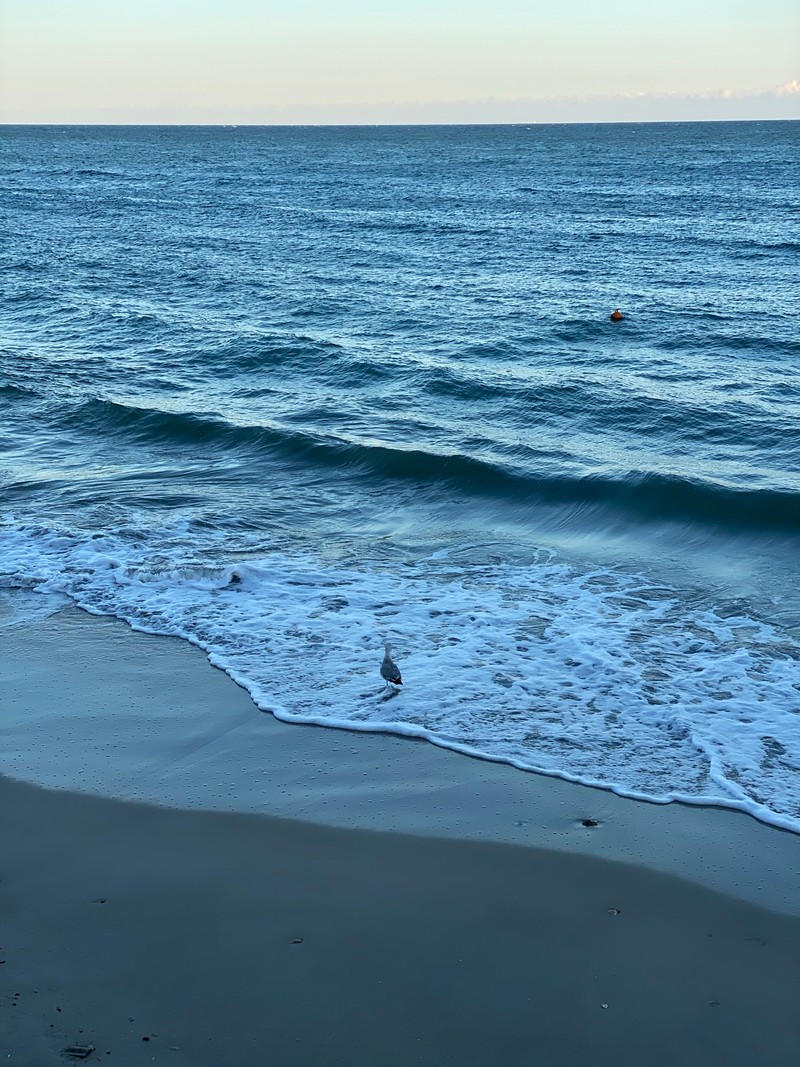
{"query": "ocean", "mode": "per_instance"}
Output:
(291, 393)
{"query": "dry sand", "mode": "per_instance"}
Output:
(123, 922)
(182, 927)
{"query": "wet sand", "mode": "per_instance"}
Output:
(231, 938)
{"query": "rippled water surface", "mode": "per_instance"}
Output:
(291, 393)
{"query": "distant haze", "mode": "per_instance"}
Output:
(360, 61)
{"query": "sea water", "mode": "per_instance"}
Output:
(292, 393)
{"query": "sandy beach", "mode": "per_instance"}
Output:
(374, 901)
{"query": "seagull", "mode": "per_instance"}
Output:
(389, 669)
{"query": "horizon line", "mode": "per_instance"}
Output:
(380, 125)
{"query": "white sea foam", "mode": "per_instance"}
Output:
(602, 677)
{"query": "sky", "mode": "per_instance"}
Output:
(421, 61)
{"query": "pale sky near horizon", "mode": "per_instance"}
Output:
(208, 61)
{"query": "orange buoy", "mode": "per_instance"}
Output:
(616, 315)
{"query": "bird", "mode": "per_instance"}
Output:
(390, 672)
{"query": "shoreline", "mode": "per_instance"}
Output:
(382, 904)
(147, 718)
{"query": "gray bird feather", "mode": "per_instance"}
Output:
(390, 672)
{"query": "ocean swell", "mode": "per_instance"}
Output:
(642, 495)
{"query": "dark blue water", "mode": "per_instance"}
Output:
(293, 392)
